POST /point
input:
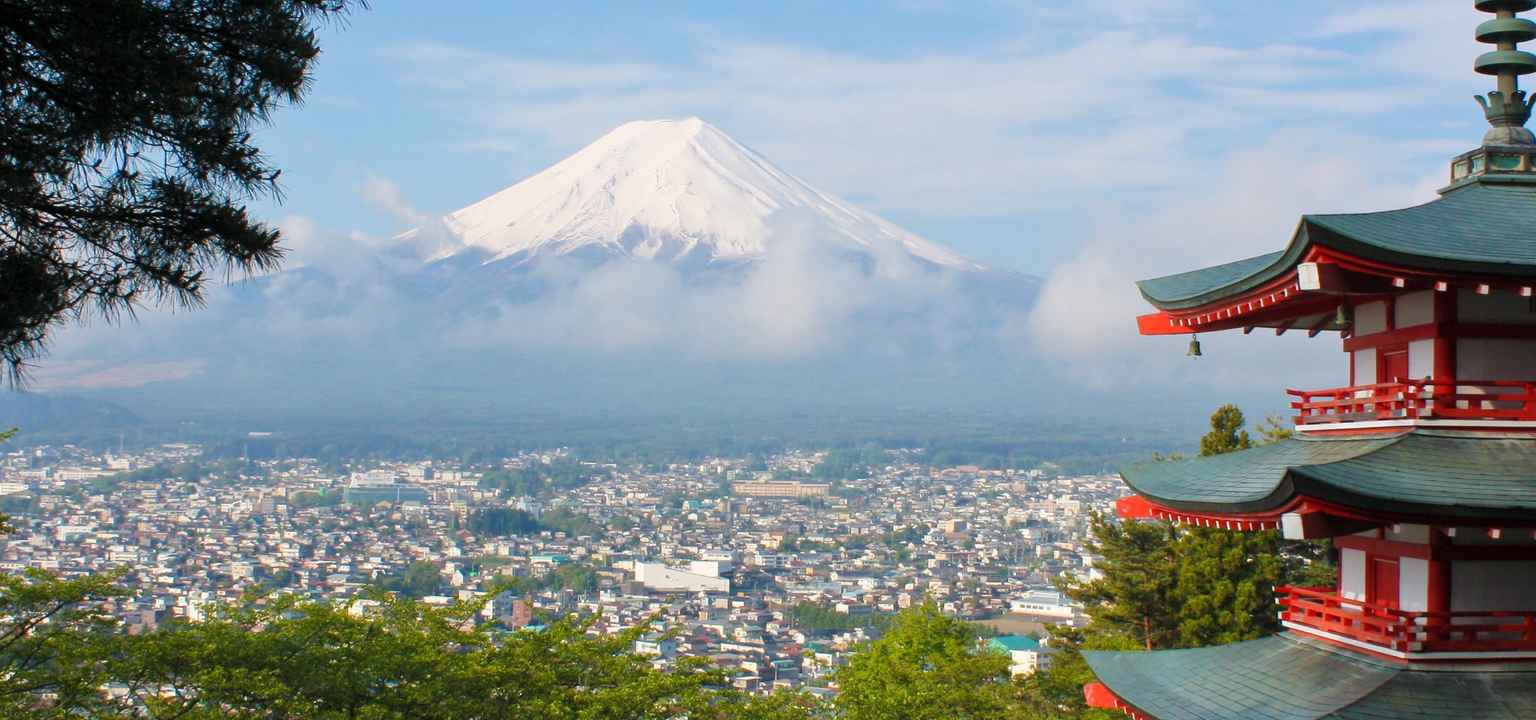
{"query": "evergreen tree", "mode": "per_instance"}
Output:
(1137, 596)
(127, 150)
(1227, 433)
(1225, 585)
(1168, 587)
(1226, 578)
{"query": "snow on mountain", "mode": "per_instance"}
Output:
(672, 190)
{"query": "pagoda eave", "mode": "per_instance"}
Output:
(1301, 519)
(1404, 477)
(1305, 298)
(1432, 246)
(1297, 677)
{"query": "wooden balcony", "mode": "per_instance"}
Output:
(1417, 635)
(1495, 401)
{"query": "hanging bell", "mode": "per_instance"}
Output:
(1344, 317)
(1194, 347)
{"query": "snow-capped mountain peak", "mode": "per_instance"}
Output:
(668, 190)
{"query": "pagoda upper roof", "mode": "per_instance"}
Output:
(1422, 473)
(1485, 227)
(1286, 678)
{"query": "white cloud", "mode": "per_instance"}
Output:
(1251, 206)
(1000, 129)
(799, 301)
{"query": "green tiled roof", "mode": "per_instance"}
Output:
(1284, 678)
(1452, 474)
(1484, 227)
(1010, 643)
(1196, 283)
(1481, 224)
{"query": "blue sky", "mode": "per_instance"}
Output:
(1007, 129)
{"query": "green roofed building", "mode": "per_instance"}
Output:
(1024, 652)
(1420, 466)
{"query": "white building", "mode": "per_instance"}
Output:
(1045, 603)
(656, 576)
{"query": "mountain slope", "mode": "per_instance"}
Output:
(678, 191)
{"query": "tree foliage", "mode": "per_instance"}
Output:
(420, 579)
(850, 463)
(52, 642)
(1227, 433)
(1169, 587)
(820, 618)
(1138, 595)
(501, 522)
(536, 480)
(127, 159)
(387, 658)
(928, 666)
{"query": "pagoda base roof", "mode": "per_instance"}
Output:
(1437, 474)
(1285, 677)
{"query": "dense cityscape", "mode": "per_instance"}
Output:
(774, 569)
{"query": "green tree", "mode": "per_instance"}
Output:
(1227, 433)
(281, 659)
(1275, 429)
(127, 150)
(1226, 578)
(1187, 587)
(1225, 585)
(1137, 596)
(928, 666)
(501, 522)
(420, 579)
(850, 463)
(52, 658)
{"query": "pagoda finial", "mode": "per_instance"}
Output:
(1507, 108)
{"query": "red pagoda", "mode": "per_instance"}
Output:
(1422, 470)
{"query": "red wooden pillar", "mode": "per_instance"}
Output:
(1445, 345)
(1437, 596)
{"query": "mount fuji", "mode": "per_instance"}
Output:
(664, 268)
(679, 192)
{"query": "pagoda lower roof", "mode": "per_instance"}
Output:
(1482, 228)
(1283, 677)
(1421, 473)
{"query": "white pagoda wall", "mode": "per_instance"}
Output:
(1421, 359)
(1500, 308)
(1365, 366)
(1352, 574)
(1371, 318)
(1495, 359)
(1415, 309)
(1413, 584)
(1486, 585)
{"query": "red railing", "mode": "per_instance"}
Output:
(1413, 399)
(1409, 632)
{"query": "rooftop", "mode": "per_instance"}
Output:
(1431, 473)
(1287, 678)
(1487, 226)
